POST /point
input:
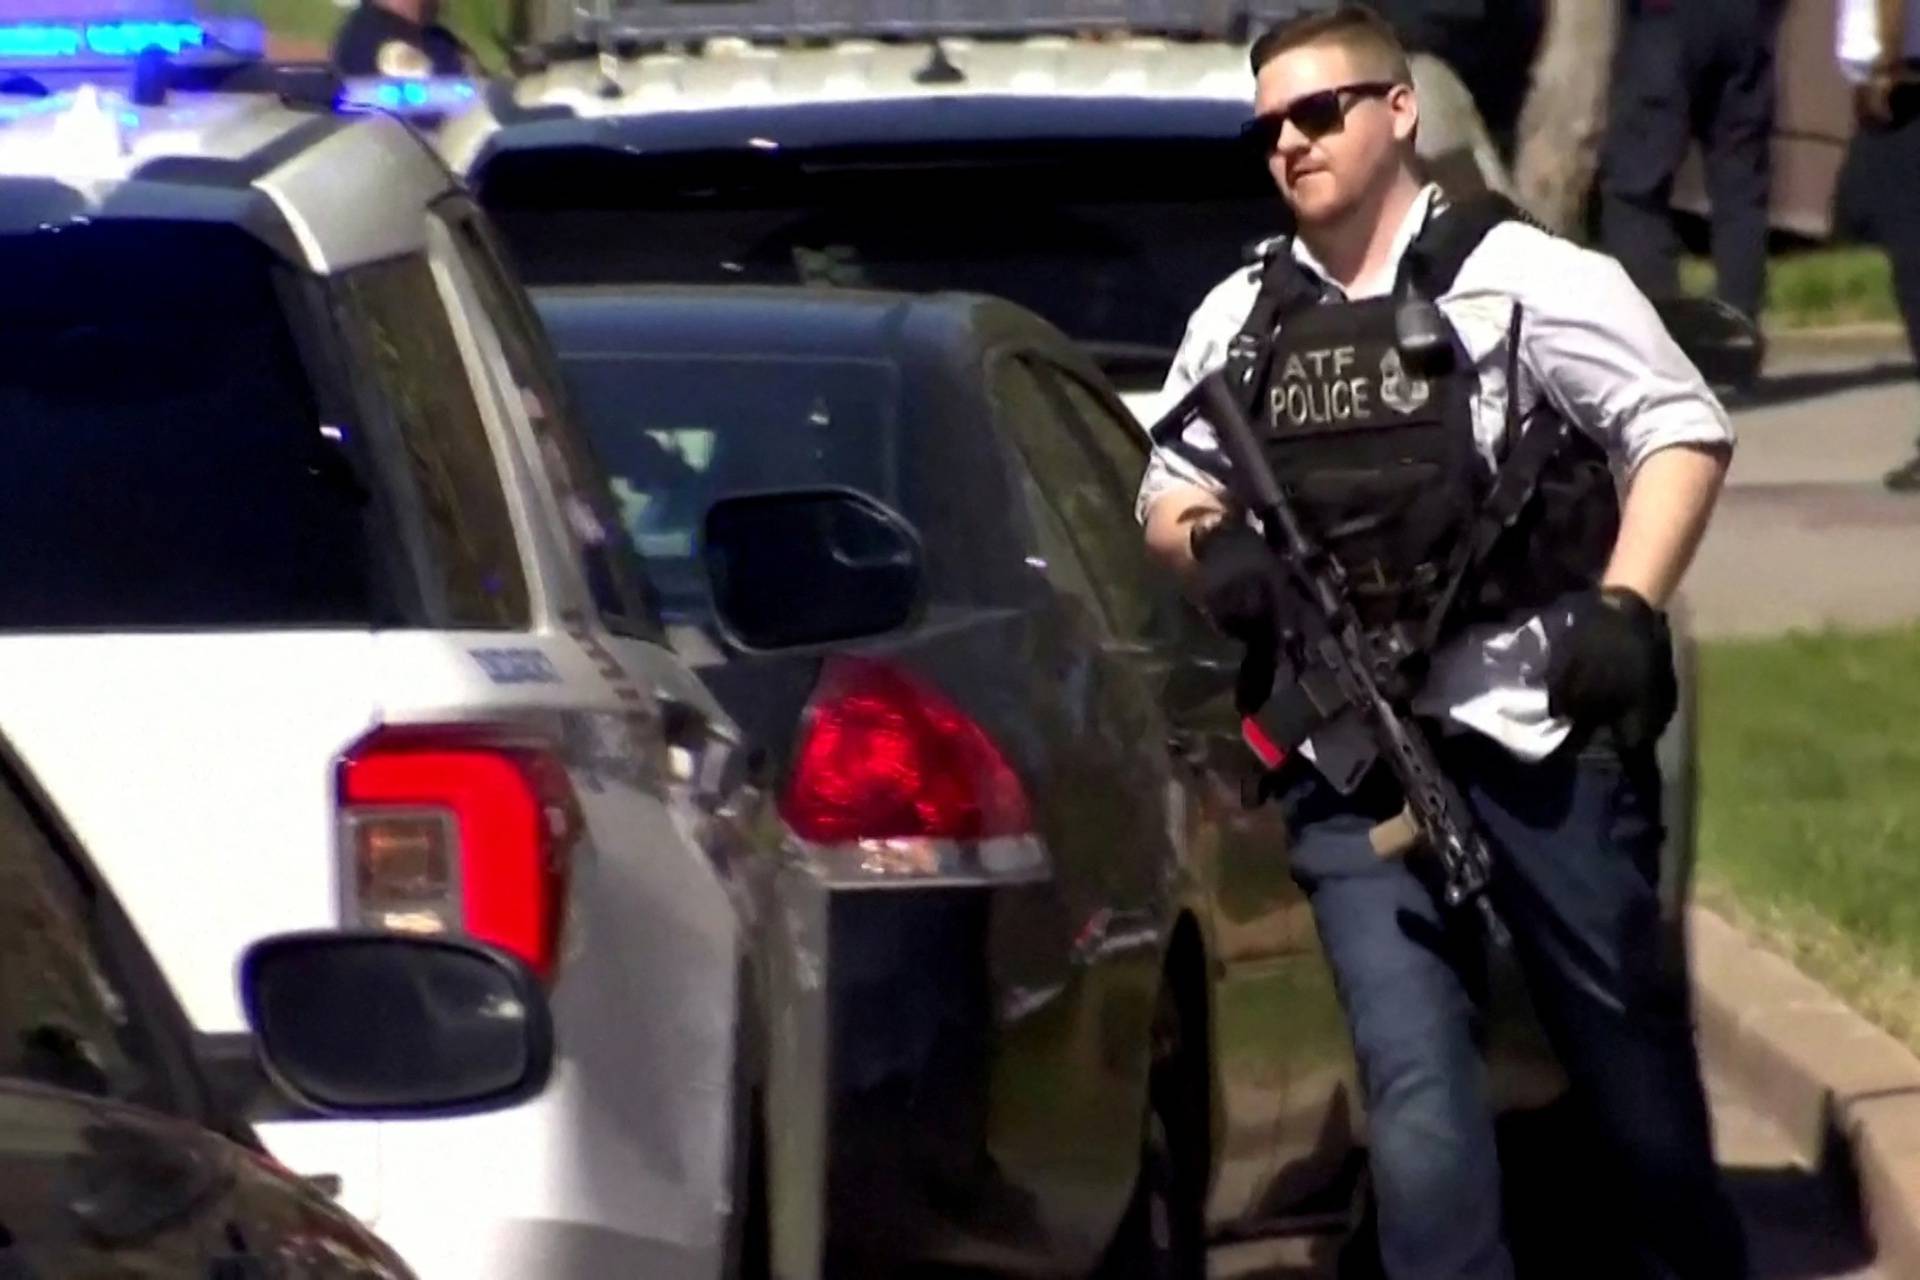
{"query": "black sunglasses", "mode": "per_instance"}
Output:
(1313, 114)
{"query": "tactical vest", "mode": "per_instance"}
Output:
(1367, 408)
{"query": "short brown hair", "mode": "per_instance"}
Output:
(1356, 28)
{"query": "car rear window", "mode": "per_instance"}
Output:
(677, 431)
(165, 462)
(1113, 240)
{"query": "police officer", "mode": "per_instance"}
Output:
(1688, 69)
(1548, 687)
(1879, 51)
(399, 38)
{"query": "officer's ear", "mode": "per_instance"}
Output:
(1404, 104)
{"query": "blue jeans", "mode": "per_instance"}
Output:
(1576, 842)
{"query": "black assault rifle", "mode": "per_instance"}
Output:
(1346, 667)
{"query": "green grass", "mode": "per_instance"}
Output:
(1283, 1012)
(1810, 807)
(1816, 287)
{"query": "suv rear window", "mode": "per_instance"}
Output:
(677, 431)
(165, 462)
(455, 510)
(1114, 241)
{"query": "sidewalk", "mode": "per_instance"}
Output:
(1805, 535)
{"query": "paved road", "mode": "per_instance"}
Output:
(1805, 535)
(1796, 1223)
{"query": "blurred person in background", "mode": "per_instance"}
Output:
(1489, 44)
(399, 39)
(1689, 70)
(1879, 194)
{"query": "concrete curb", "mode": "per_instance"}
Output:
(1853, 331)
(1843, 1090)
(1881, 343)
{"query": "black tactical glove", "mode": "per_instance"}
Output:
(1614, 667)
(1238, 580)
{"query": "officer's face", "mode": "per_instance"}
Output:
(1333, 151)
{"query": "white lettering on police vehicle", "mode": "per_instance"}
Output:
(516, 666)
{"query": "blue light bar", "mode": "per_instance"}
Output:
(401, 95)
(51, 44)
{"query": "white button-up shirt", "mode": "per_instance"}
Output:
(1858, 44)
(1590, 343)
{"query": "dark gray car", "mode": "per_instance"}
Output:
(1050, 965)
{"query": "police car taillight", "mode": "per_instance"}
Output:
(456, 830)
(891, 781)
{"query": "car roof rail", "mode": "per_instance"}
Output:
(653, 23)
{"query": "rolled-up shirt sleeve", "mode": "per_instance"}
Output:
(1202, 350)
(1167, 471)
(1596, 348)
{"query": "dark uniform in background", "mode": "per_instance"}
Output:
(1489, 44)
(1691, 70)
(405, 41)
(1879, 191)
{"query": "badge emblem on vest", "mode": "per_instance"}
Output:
(1398, 392)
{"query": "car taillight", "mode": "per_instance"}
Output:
(457, 830)
(884, 756)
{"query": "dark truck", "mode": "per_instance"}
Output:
(776, 142)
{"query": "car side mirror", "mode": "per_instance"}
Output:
(394, 1025)
(810, 566)
(1724, 344)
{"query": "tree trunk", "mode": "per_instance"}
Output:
(1565, 116)
(1453, 141)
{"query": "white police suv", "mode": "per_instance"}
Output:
(309, 618)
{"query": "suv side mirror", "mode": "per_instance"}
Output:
(810, 566)
(1723, 344)
(396, 1025)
